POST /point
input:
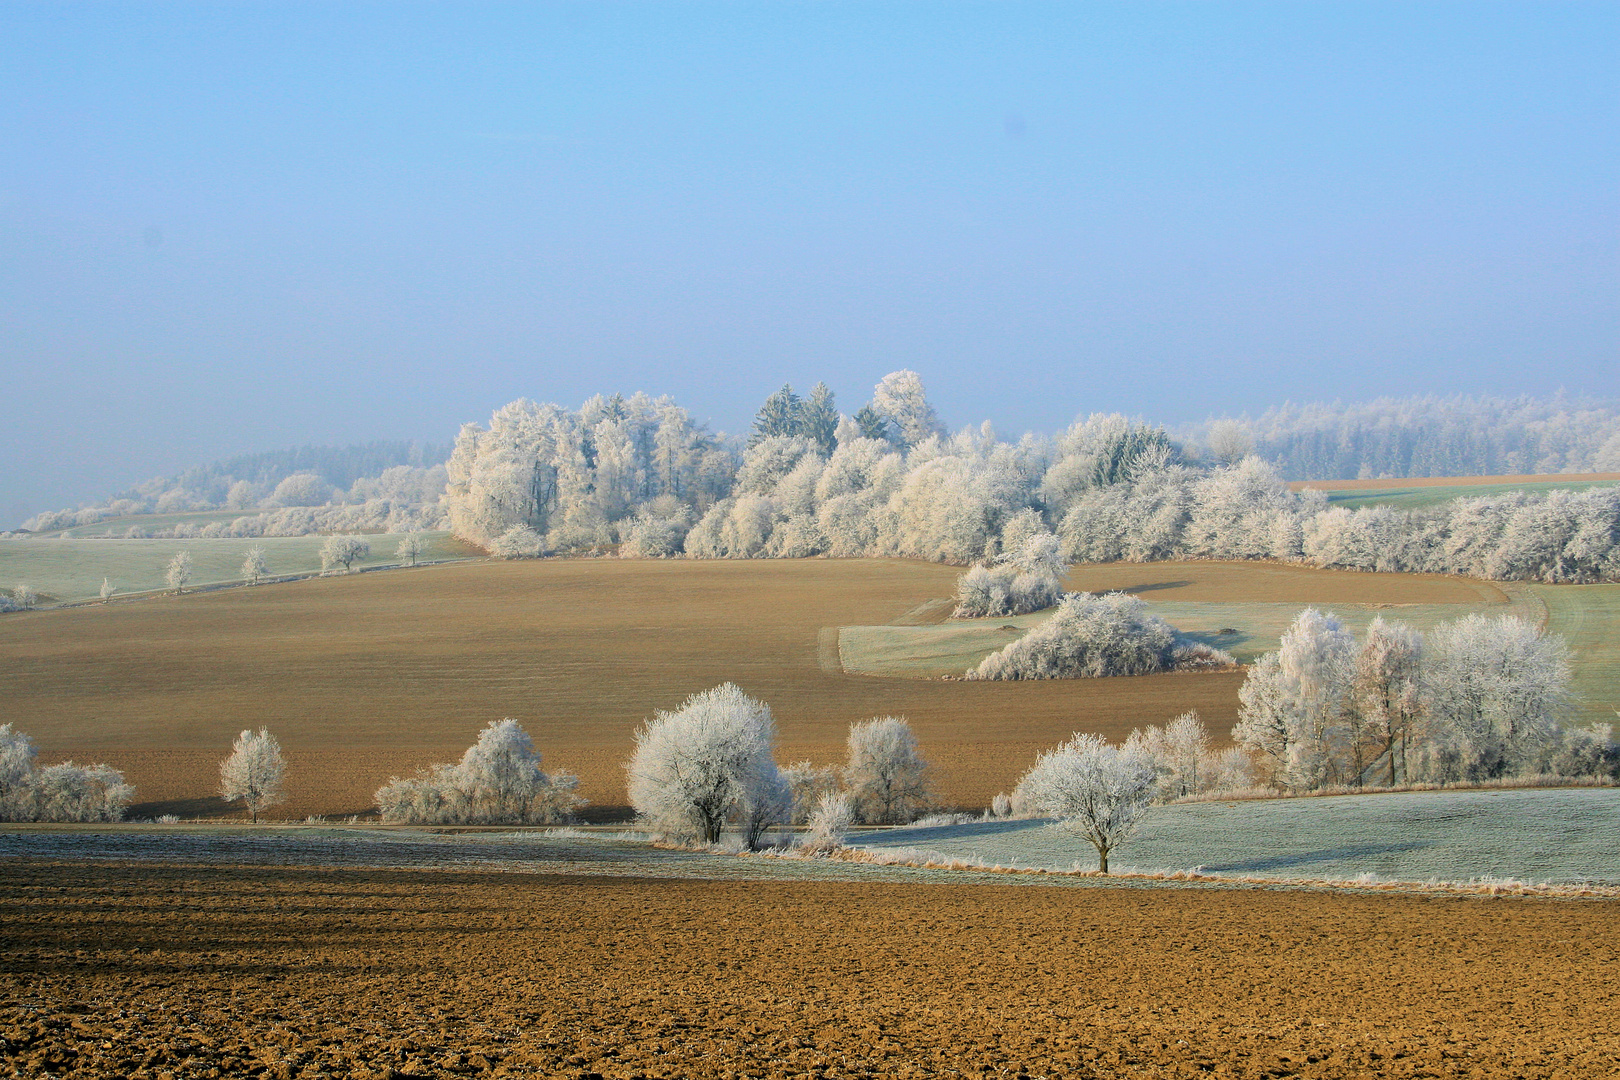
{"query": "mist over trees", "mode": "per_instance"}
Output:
(1425, 436)
(383, 484)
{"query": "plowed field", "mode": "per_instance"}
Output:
(151, 971)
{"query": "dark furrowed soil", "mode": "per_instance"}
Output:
(150, 971)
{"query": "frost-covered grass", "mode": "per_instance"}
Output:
(1558, 836)
(64, 571)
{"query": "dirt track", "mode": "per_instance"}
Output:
(151, 971)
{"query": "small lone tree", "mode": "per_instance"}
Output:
(1092, 788)
(107, 589)
(343, 551)
(254, 564)
(253, 773)
(25, 596)
(885, 775)
(179, 571)
(410, 548)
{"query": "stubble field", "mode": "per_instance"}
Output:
(150, 971)
(368, 676)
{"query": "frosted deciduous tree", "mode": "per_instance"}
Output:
(899, 397)
(25, 597)
(16, 774)
(518, 542)
(1093, 789)
(179, 571)
(255, 565)
(343, 551)
(1293, 705)
(1387, 693)
(1180, 753)
(695, 767)
(254, 772)
(302, 489)
(107, 589)
(409, 549)
(808, 783)
(885, 775)
(1496, 690)
(1229, 440)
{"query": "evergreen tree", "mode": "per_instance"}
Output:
(782, 414)
(821, 419)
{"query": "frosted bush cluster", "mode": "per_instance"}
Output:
(1476, 699)
(498, 781)
(1027, 577)
(65, 792)
(1098, 635)
(710, 764)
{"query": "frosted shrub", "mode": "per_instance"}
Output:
(656, 531)
(1001, 806)
(498, 781)
(886, 777)
(255, 566)
(702, 764)
(518, 542)
(1093, 789)
(1093, 636)
(65, 792)
(829, 822)
(808, 783)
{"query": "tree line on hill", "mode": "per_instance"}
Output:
(890, 481)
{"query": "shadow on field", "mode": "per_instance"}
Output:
(212, 806)
(1155, 586)
(1305, 858)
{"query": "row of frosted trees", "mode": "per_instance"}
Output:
(1473, 700)
(890, 481)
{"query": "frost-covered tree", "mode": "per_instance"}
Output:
(1094, 789)
(179, 571)
(16, 774)
(410, 548)
(782, 416)
(254, 772)
(107, 589)
(697, 766)
(821, 419)
(343, 551)
(255, 565)
(1387, 690)
(885, 775)
(518, 542)
(899, 398)
(1293, 706)
(302, 489)
(1497, 690)
(1229, 441)
(498, 781)
(1180, 754)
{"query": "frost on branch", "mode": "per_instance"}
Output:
(254, 772)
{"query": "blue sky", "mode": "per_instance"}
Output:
(236, 227)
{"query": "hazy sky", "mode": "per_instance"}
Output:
(238, 227)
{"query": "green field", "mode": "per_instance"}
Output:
(1413, 498)
(65, 571)
(117, 527)
(1587, 616)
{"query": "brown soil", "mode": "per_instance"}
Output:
(1451, 481)
(151, 971)
(373, 675)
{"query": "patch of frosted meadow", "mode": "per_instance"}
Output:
(1554, 836)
